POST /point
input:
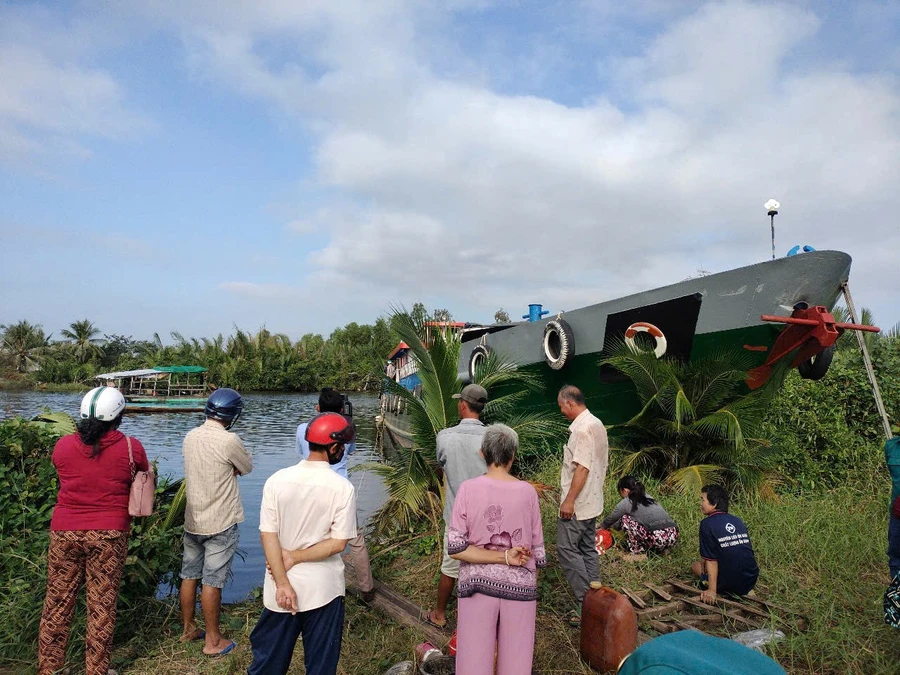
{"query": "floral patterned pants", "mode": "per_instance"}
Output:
(641, 540)
(96, 559)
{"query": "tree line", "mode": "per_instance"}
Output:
(350, 358)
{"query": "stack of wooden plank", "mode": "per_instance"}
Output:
(675, 605)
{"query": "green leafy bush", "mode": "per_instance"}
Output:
(28, 491)
(823, 431)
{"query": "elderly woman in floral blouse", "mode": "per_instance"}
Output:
(496, 533)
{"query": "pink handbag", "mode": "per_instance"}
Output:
(143, 488)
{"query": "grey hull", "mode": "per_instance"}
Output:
(727, 301)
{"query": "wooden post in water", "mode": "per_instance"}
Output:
(879, 403)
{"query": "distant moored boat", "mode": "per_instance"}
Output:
(161, 389)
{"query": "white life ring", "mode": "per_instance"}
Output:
(643, 327)
(559, 343)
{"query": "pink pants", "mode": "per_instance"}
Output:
(485, 624)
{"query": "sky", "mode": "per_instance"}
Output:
(201, 165)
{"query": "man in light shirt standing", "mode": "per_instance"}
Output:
(308, 515)
(459, 454)
(585, 460)
(213, 459)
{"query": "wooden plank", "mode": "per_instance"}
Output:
(397, 607)
(660, 592)
(660, 610)
(731, 615)
(704, 619)
(725, 601)
(683, 626)
(635, 598)
(661, 626)
(749, 603)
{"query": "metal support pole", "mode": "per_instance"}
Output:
(772, 220)
(879, 403)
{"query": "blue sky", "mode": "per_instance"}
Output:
(197, 165)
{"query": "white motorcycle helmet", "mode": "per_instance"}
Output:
(102, 403)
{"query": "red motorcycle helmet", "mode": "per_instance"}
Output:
(330, 427)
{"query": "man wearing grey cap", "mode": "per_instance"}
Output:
(459, 454)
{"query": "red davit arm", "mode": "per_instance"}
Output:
(809, 331)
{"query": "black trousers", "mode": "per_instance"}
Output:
(275, 635)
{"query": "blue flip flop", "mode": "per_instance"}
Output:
(224, 651)
(200, 635)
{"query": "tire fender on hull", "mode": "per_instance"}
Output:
(816, 367)
(479, 355)
(558, 343)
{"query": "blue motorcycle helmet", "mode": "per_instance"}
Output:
(224, 405)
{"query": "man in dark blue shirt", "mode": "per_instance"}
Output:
(728, 562)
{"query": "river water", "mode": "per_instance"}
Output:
(267, 427)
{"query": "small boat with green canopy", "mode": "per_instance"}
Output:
(161, 389)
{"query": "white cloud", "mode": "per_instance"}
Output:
(490, 199)
(50, 103)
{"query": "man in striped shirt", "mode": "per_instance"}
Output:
(213, 459)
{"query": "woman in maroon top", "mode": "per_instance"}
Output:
(89, 531)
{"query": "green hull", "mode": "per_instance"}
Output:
(617, 402)
(694, 317)
(156, 404)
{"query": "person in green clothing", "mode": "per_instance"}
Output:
(892, 458)
(690, 651)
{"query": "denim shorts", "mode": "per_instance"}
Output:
(208, 556)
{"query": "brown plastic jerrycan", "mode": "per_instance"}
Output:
(608, 628)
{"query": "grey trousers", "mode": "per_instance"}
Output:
(575, 541)
(361, 563)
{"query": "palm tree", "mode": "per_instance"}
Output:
(848, 343)
(85, 343)
(698, 421)
(23, 342)
(414, 491)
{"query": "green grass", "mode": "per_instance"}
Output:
(24, 384)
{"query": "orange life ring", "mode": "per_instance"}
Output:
(643, 327)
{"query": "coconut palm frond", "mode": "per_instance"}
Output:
(697, 417)
(643, 368)
(637, 460)
(723, 424)
(892, 333)
(496, 372)
(412, 488)
(688, 480)
(176, 508)
(59, 422)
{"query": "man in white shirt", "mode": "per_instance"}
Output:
(331, 400)
(308, 515)
(585, 460)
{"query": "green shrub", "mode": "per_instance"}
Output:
(28, 491)
(825, 430)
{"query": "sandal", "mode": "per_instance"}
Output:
(574, 618)
(426, 618)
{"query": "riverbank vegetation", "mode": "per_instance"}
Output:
(28, 490)
(351, 358)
